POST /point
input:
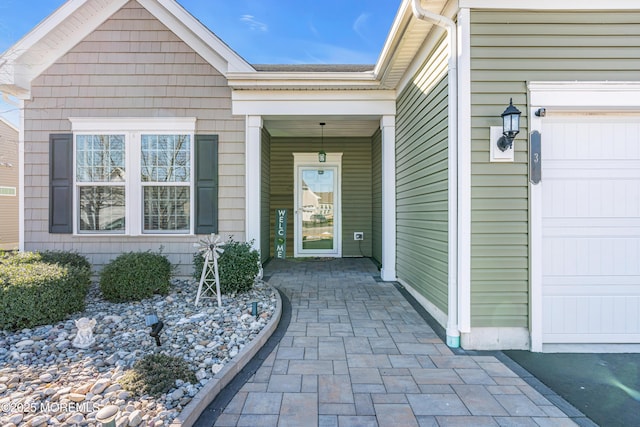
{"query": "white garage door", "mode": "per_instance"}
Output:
(591, 229)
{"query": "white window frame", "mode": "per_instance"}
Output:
(133, 129)
(11, 193)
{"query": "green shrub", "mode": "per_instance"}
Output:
(156, 374)
(65, 258)
(135, 276)
(21, 258)
(238, 267)
(34, 292)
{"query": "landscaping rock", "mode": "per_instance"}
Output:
(135, 418)
(40, 365)
(100, 385)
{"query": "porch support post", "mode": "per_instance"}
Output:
(388, 130)
(253, 179)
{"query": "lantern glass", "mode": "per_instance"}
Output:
(511, 121)
(322, 156)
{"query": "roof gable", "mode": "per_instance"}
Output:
(76, 19)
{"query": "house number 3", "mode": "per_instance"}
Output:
(535, 163)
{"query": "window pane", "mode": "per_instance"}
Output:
(100, 158)
(165, 158)
(166, 208)
(102, 208)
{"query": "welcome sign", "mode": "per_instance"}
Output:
(281, 234)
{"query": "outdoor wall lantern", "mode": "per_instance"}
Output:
(322, 155)
(510, 126)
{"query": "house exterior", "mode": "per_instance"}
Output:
(9, 185)
(142, 129)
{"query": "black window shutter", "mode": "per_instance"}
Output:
(60, 183)
(206, 191)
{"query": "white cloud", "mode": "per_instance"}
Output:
(360, 24)
(254, 25)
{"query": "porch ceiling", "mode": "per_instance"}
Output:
(309, 126)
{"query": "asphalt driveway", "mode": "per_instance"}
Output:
(604, 387)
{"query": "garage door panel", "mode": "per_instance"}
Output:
(593, 198)
(593, 316)
(566, 256)
(591, 229)
(599, 138)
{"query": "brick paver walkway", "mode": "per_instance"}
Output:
(357, 354)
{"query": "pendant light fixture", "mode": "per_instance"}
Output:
(322, 155)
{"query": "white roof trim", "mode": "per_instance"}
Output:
(48, 24)
(26, 60)
(266, 79)
(395, 34)
(30, 56)
(18, 69)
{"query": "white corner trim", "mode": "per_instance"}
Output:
(535, 248)
(464, 171)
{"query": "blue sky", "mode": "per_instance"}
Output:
(261, 31)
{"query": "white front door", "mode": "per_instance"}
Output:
(317, 206)
(590, 229)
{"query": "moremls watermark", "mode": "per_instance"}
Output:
(48, 407)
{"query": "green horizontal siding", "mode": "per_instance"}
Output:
(422, 182)
(356, 187)
(508, 49)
